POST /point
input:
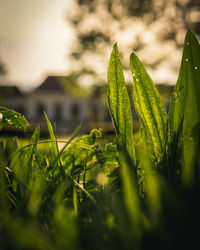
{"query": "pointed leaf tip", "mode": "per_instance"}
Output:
(118, 101)
(149, 108)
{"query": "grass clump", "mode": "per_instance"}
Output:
(140, 192)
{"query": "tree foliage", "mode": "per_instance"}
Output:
(142, 25)
(2, 69)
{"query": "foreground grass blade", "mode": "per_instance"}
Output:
(149, 108)
(52, 136)
(185, 107)
(119, 103)
(10, 118)
(83, 189)
(36, 135)
(74, 134)
(26, 168)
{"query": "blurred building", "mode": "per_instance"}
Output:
(11, 97)
(62, 108)
(65, 109)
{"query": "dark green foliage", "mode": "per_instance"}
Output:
(167, 174)
(140, 192)
(96, 25)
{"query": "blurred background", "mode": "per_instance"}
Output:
(54, 55)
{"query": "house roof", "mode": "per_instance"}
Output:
(52, 84)
(7, 91)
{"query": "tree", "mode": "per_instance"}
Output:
(154, 29)
(2, 69)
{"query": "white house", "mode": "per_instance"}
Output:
(66, 110)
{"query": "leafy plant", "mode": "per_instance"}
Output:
(170, 146)
(139, 192)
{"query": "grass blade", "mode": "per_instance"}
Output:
(52, 136)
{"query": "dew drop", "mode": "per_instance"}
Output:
(195, 68)
(188, 43)
(186, 59)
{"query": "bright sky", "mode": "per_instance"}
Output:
(33, 39)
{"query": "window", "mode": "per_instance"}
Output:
(58, 112)
(40, 111)
(75, 111)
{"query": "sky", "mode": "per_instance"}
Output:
(33, 39)
(35, 42)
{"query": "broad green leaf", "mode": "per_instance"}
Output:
(10, 118)
(185, 107)
(149, 109)
(119, 103)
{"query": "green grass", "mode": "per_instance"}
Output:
(139, 191)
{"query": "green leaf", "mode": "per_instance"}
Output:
(119, 103)
(150, 181)
(130, 189)
(13, 119)
(185, 107)
(150, 109)
(120, 108)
